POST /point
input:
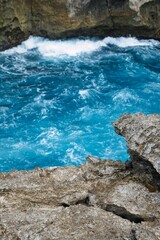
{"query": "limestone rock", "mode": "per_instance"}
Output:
(95, 201)
(142, 134)
(70, 18)
(15, 22)
(101, 200)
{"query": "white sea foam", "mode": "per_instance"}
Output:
(84, 93)
(49, 48)
(73, 153)
(125, 96)
(50, 134)
(128, 42)
(74, 47)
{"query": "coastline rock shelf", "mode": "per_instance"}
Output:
(99, 200)
(69, 18)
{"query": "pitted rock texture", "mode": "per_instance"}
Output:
(15, 22)
(74, 18)
(142, 134)
(101, 200)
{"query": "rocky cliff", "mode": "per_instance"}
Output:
(70, 18)
(101, 200)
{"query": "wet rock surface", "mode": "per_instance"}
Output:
(98, 200)
(69, 18)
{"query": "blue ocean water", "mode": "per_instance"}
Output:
(58, 99)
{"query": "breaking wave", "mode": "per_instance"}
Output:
(58, 98)
(74, 47)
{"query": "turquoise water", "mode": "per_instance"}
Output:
(58, 99)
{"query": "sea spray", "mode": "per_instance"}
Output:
(58, 98)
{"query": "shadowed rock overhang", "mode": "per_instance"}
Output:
(69, 18)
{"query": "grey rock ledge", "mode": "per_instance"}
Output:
(101, 200)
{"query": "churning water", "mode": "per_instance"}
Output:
(59, 98)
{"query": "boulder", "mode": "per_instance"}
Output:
(142, 134)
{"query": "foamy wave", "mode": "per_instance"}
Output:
(125, 96)
(129, 42)
(74, 47)
(57, 48)
(84, 93)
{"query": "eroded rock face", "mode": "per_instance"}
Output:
(15, 22)
(96, 201)
(70, 18)
(142, 134)
(101, 200)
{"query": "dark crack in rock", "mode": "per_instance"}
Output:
(142, 134)
(100, 200)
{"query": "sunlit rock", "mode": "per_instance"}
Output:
(99, 200)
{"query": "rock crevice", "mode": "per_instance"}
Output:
(99, 200)
(123, 213)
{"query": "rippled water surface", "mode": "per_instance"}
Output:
(59, 98)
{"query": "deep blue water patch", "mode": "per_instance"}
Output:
(59, 98)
